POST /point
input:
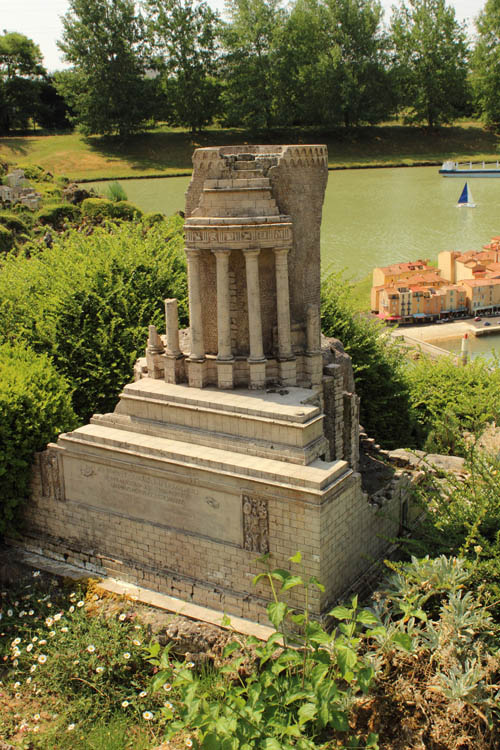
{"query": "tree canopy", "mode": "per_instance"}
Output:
(431, 56)
(106, 87)
(20, 72)
(183, 35)
(486, 63)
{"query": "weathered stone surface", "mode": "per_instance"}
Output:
(75, 194)
(238, 437)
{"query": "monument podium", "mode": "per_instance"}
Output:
(243, 440)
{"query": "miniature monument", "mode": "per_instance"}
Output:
(238, 439)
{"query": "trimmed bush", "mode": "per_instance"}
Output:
(6, 239)
(98, 210)
(35, 406)
(153, 218)
(58, 214)
(14, 223)
(88, 303)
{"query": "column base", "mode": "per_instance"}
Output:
(314, 367)
(225, 374)
(287, 369)
(197, 373)
(155, 364)
(257, 375)
(175, 369)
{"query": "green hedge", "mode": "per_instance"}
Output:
(35, 406)
(88, 303)
(58, 214)
(6, 239)
(14, 223)
(98, 210)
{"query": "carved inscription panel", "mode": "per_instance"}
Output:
(154, 498)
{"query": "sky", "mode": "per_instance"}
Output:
(40, 21)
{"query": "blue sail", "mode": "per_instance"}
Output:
(464, 198)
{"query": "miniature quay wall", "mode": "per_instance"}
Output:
(237, 437)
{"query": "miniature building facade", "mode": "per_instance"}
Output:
(238, 439)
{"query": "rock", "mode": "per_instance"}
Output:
(75, 194)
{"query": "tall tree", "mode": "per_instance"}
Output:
(431, 57)
(486, 64)
(183, 34)
(20, 70)
(106, 87)
(334, 65)
(251, 84)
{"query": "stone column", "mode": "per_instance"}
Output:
(287, 364)
(256, 360)
(197, 362)
(225, 360)
(172, 328)
(195, 319)
(155, 358)
(174, 358)
(223, 312)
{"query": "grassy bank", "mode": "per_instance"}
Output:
(166, 151)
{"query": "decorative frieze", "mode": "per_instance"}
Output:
(262, 235)
(255, 524)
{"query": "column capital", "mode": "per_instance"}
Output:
(222, 251)
(193, 252)
(250, 252)
(281, 251)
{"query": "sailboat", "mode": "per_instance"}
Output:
(466, 198)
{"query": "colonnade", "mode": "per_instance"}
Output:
(224, 348)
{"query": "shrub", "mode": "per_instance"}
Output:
(98, 210)
(13, 222)
(379, 365)
(57, 215)
(36, 172)
(88, 303)
(35, 406)
(125, 211)
(115, 192)
(448, 399)
(6, 239)
(153, 218)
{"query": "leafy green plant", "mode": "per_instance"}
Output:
(294, 691)
(448, 400)
(115, 192)
(35, 406)
(59, 214)
(13, 222)
(89, 301)
(6, 239)
(97, 210)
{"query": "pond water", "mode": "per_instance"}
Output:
(478, 345)
(373, 217)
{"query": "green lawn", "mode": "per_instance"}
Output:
(167, 151)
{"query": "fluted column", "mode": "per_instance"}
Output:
(283, 303)
(254, 314)
(195, 318)
(224, 352)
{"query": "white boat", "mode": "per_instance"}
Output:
(466, 198)
(483, 169)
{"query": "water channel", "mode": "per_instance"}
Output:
(374, 217)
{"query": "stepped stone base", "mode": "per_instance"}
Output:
(172, 493)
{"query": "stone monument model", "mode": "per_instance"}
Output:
(238, 437)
